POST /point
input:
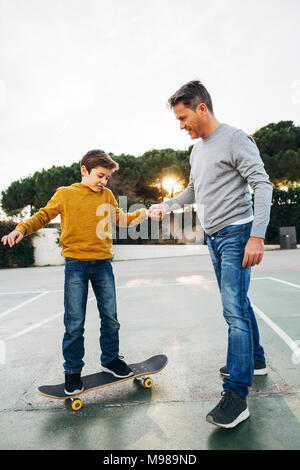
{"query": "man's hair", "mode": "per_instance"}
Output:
(191, 94)
(95, 158)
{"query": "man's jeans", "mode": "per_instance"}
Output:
(226, 249)
(77, 276)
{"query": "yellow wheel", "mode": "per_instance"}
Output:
(76, 404)
(148, 383)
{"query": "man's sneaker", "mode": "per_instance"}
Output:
(118, 368)
(230, 411)
(73, 384)
(259, 369)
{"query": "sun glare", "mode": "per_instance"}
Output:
(171, 185)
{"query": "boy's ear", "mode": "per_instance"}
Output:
(84, 171)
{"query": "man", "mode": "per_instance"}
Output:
(223, 163)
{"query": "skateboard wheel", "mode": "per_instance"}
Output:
(148, 383)
(76, 404)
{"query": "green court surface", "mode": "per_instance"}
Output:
(165, 306)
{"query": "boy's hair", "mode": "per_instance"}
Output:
(95, 158)
(191, 94)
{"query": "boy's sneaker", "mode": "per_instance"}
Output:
(259, 369)
(73, 384)
(118, 368)
(230, 411)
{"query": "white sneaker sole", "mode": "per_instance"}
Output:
(256, 372)
(114, 374)
(261, 371)
(74, 392)
(244, 415)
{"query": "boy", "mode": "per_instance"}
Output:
(86, 209)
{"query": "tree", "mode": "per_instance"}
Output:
(36, 190)
(155, 165)
(18, 195)
(142, 177)
(47, 181)
(125, 180)
(279, 145)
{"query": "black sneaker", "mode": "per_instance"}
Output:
(259, 369)
(73, 384)
(230, 411)
(118, 368)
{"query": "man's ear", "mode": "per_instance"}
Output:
(201, 109)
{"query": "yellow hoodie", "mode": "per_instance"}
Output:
(85, 221)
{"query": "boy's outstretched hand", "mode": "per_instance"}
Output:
(157, 211)
(12, 238)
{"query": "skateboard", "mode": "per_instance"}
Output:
(141, 370)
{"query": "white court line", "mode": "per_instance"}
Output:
(291, 343)
(284, 282)
(165, 284)
(53, 317)
(37, 325)
(34, 327)
(122, 287)
(185, 283)
(22, 304)
(23, 292)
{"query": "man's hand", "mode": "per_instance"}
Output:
(254, 252)
(157, 211)
(12, 238)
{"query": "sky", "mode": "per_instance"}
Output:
(76, 75)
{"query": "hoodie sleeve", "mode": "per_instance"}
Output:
(186, 197)
(126, 219)
(43, 216)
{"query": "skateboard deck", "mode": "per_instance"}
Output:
(141, 370)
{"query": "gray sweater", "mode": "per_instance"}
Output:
(223, 164)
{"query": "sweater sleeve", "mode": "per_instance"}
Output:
(186, 197)
(126, 219)
(247, 161)
(43, 216)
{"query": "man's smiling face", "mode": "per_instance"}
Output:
(191, 120)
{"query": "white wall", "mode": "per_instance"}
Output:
(46, 249)
(48, 252)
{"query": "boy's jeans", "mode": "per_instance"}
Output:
(226, 249)
(77, 276)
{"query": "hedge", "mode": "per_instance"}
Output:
(21, 255)
(285, 212)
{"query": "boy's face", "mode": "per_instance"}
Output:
(97, 178)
